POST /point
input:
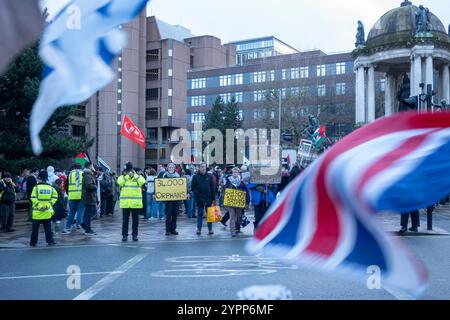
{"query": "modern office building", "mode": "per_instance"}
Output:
(150, 89)
(261, 48)
(309, 83)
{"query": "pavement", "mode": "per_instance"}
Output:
(187, 266)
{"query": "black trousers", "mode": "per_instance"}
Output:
(6, 215)
(171, 215)
(126, 220)
(414, 219)
(35, 231)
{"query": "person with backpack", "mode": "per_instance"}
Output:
(8, 191)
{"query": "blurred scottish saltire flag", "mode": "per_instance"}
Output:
(21, 23)
(77, 55)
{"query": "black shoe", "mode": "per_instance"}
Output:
(9, 230)
(52, 243)
(33, 245)
(210, 232)
(135, 239)
(167, 233)
(83, 226)
(413, 229)
(224, 224)
(403, 230)
(124, 239)
(90, 233)
(174, 232)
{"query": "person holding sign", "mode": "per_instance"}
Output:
(236, 199)
(171, 206)
(130, 200)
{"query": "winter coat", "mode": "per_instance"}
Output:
(89, 188)
(203, 188)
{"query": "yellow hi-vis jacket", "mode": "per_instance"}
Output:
(131, 191)
(43, 197)
(74, 183)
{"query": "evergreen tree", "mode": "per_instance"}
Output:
(19, 88)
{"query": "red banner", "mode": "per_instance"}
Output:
(132, 132)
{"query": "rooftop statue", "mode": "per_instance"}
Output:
(423, 25)
(360, 35)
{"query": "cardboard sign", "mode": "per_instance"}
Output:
(234, 198)
(258, 176)
(171, 189)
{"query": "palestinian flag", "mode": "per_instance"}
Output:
(319, 136)
(82, 158)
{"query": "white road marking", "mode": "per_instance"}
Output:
(399, 295)
(103, 283)
(57, 275)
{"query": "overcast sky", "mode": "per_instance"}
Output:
(329, 25)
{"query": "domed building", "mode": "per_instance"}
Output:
(408, 44)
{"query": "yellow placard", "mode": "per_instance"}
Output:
(234, 198)
(171, 189)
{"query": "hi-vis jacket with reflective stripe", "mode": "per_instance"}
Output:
(75, 182)
(43, 197)
(131, 191)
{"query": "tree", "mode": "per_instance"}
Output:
(19, 88)
(222, 117)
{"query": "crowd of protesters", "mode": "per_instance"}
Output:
(68, 201)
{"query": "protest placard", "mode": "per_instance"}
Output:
(234, 198)
(171, 189)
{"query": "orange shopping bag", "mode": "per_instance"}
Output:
(213, 214)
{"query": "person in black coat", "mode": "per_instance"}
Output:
(203, 188)
(8, 192)
(31, 183)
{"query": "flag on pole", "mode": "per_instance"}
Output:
(82, 158)
(21, 23)
(327, 217)
(78, 56)
(102, 163)
(319, 136)
(132, 132)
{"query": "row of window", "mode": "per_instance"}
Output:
(254, 45)
(258, 114)
(270, 75)
(260, 95)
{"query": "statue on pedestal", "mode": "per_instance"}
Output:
(360, 36)
(423, 24)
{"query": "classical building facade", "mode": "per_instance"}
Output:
(407, 45)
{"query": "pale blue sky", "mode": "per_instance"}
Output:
(329, 25)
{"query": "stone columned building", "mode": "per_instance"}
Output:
(408, 46)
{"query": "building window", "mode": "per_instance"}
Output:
(151, 154)
(151, 114)
(78, 131)
(80, 111)
(198, 83)
(340, 89)
(238, 79)
(295, 73)
(152, 134)
(170, 53)
(241, 115)
(152, 94)
(258, 95)
(272, 75)
(283, 93)
(197, 117)
(259, 114)
(283, 74)
(225, 81)
(321, 90)
(321, 70)
(239, 97)
(259, 77)
(226, 97)
(152, 74)
(304, 91)
(383, 85)
(196, 135)
(153, 55)
(295, 91)
(192, 62)
(162, 153)
(304, 72)
(198, 101)
(340, 68)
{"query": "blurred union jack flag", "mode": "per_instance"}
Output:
(326, 217)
